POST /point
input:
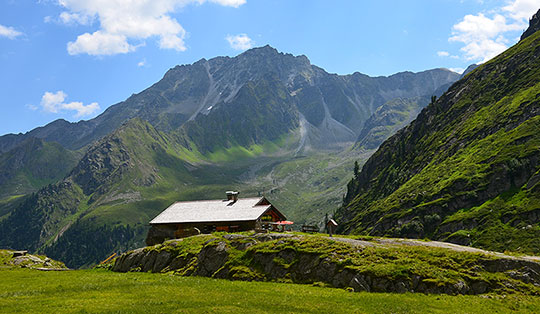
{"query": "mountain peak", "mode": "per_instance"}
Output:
(469, 69)
(264, 50)
(534, 25)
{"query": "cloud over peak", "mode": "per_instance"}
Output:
(239, 42)
(124, 21)
(54, 103)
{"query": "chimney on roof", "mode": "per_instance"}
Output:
(232, 196)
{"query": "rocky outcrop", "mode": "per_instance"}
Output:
(21, 259)
(338, 262)
(534, 25)
(158, 234)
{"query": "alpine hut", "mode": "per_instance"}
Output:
(183, 219)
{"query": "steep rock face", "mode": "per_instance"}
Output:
(465, 169)
(259, 112)
(374, 266)
(534, 26)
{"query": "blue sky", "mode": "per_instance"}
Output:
(72, 59)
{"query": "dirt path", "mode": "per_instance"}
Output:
(382, 242)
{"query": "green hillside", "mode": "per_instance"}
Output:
(467, 169)
(33, 164)
(388, 119)
(106, 201)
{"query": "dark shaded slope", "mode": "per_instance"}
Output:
(466, 169)
(40, 216)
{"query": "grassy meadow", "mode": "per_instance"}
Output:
(93, 291)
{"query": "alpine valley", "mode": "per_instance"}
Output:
(261, 122)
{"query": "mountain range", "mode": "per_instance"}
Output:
(260, 122)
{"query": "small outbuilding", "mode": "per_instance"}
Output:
(183, 219)
(331, 226)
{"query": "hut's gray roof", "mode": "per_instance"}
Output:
(244, 209)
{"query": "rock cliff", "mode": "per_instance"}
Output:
(534, 25)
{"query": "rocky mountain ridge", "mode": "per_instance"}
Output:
(338, 104)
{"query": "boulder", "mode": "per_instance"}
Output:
(19, 253)
(211, 258)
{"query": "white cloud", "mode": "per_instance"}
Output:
(482, 36)
(485, 36)
(239, 42)
(443, 53)
(9, 32)
(123, 21)
(99, 43)
(522, 9)
(51, 101)
(457, 70)
(141, 63)
(76, 18)
(54, 102)
(81, 109)
(230, 3)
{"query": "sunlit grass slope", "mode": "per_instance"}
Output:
(93, 291)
